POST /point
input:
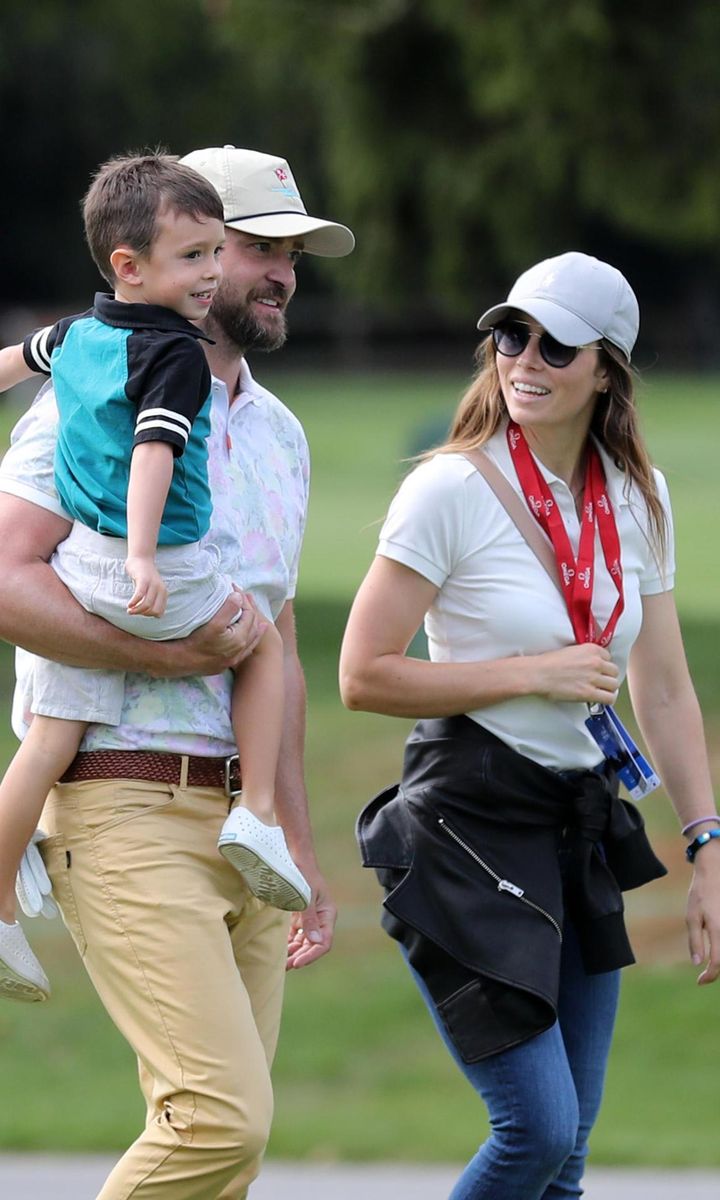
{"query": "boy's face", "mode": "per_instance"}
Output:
(182, 269)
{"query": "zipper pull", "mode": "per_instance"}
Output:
(506, 886)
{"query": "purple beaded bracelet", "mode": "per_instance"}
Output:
(700, 821)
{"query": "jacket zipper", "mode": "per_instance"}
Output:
(503, 885)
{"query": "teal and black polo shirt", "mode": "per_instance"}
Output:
(125, 374)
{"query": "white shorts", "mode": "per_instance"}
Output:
(92, 567)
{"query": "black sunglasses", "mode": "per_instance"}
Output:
(512, 337)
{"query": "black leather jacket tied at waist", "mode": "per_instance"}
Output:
(483, 854)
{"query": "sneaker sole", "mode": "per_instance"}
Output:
(263, 882)
(16, 987)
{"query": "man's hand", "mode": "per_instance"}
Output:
(150, 596)
(311, 931)
(219, 645)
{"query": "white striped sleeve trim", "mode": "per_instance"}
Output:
(163, 418)
(39, 350)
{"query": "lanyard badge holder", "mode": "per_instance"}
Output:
(621, 754)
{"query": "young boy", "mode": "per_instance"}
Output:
(133, 394)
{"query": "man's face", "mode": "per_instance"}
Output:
(258, 284)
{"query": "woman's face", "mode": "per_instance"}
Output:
(541, 396)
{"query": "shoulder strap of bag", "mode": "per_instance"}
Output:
(518, 513)
(516, 510)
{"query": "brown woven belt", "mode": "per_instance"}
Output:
(160, 768)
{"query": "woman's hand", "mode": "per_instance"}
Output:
(576, 673)
(703, 912)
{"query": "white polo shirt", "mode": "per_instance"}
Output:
(258, 468)
(494, 598)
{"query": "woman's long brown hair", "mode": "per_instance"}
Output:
(614, 424)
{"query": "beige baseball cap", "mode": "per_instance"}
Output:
(260, 196)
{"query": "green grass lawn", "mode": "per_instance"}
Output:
(360, 1072)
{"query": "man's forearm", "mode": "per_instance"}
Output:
(38, 613)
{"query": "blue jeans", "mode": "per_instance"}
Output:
(542, 1096)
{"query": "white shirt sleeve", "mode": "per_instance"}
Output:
(28, 468)
(424, 526)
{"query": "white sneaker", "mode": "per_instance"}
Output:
(21, 976)
(259, 852)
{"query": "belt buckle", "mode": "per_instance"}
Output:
(231, 761)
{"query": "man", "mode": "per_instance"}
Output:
(188, 964)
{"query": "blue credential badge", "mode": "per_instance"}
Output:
(622, 755)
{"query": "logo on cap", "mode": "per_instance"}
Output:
(286, 188)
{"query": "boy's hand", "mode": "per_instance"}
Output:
(150, 596)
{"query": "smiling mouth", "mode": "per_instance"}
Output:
(530, 389)
(203, 295)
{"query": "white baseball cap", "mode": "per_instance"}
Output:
(260, 196)
(577, 299)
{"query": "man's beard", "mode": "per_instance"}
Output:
(235, 322)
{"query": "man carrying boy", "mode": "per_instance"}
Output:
(132, 387)
(162, 922)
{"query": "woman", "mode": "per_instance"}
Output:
(505, 849)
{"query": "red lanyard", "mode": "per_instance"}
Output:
(577, 576)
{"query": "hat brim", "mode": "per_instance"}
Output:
(561, 324)
(325, 238)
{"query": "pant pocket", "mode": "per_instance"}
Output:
(58, 864)
(100, 805)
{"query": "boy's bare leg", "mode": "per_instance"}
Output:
(250, 838)
(47, 750)
(43, 756)
(257, 713)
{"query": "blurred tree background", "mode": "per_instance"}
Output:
(461, 139)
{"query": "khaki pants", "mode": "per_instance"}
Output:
(189, 966)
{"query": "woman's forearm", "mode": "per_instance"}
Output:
(409, 687)
(667, 710)
(376, 675)
(672, 727)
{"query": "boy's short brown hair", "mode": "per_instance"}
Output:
(127, 193)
